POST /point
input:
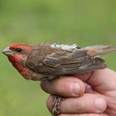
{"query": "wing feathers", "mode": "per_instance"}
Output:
(64, 62)
(99, 49)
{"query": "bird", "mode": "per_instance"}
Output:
(41, 62)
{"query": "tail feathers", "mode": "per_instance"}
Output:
(99, 49)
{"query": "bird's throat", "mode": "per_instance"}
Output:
(21, 68)
(25, 71)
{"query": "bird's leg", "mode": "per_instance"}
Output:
(57, 105)
(47, 78)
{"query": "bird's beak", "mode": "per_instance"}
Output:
(7, 51)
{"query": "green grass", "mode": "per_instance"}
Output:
(48, 21)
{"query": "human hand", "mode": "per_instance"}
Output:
(90, 94)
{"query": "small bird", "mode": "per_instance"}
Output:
(49, 61)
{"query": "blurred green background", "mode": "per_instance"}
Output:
(84, 22)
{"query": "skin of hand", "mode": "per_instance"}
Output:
(90, 94)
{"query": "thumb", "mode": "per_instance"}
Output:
(104, 79)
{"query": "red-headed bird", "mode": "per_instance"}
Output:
(45, 61)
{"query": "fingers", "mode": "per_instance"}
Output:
(75, 86)
(88, 103)
(92, 114)
(64, 86)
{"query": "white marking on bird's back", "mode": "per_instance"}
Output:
(64, 47)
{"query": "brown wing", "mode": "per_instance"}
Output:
(63, 63)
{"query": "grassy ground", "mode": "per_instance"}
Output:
(48, 21)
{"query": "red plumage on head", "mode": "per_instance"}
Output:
(19, 45)
(18, 58)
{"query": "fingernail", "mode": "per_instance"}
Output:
(100, 104)
(75, 88)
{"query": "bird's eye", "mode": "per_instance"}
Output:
(19, 50)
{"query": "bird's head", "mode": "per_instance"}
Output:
(17, 55)
(17, 52)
